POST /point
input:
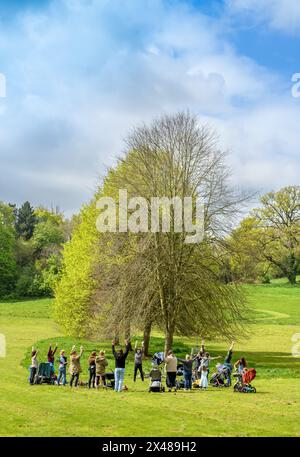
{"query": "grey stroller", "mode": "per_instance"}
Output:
(155, 380)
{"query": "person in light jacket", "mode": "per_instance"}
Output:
(101, 364)
(171, 369)
(34, 365)
(75, 367)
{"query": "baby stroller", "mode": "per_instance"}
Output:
(244, 380)
(110, 379)
(44, 374)
(180, 381)
(222, 378)
(155, 380)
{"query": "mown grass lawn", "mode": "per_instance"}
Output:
(59, 411)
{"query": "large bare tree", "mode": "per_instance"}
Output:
(161, 278)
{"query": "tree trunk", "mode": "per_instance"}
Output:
(293, 267)
(292, 277)
(169, 334)
(147, 334)
(127, 330)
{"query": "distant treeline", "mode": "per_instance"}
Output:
(265, 245)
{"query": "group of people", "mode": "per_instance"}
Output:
(97, 364)
(194, 367)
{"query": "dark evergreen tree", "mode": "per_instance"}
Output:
(26, 221)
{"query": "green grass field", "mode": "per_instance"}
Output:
(59, 411)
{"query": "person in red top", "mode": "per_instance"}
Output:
(51, 354)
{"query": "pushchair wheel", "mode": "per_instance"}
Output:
(253, 390)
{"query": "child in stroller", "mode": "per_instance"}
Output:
(155, 379)
(180, 376)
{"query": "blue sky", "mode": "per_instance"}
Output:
(80, 73)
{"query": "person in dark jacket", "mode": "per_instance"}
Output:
(120, 360)
(187, 370)
(50, 355)
(228, 364)
(138, 361)
(229, 354)
(198, 359)
(92, 369)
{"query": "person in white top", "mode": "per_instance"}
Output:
(34, 365)
(204, 369)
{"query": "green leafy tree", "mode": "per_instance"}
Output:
(74, 304)
(8, 214)
(267, 243)
(279, 219)
(47, 275)
(177, 157)
(118, 280)
(8, 269)
(247, 262)
(47, 233)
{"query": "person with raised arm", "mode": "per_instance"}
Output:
(138, 361)
(198, 359)
(62, 369)
(50, 356)
(120, 360)
(34, 365)
(75, 366)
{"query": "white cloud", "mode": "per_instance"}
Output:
(79, 78)
(283, 15)
(263, 145)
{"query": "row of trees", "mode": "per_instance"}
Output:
(31, 242)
